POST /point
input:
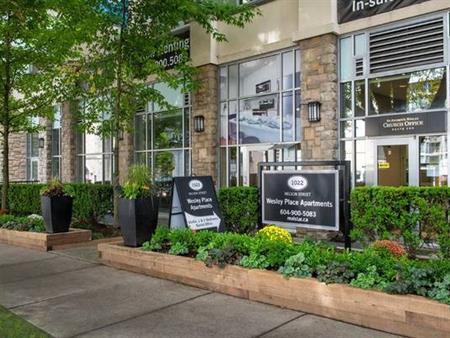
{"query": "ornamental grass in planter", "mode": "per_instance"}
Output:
(56, 205)
(138, 207)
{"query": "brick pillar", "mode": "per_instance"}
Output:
(68, 138)
(18, 157)
(126, 149)
(45, 154)
(319, 83)
(205, 102)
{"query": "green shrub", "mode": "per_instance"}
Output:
(33, 223)
(240, 208)
(395, 213)
(91, 201)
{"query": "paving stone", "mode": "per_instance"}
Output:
(12, 255)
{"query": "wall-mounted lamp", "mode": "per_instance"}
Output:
(199, 123)
(41, 143)
(314, 111)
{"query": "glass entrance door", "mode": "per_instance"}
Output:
(396, 162)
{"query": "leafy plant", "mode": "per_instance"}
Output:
(139, 183)
(441, 290)
(160, 240)
(274, 233)
(179, 248)
(335, 272)
(296, 266)
(221, 257)
(369, 279)
(254, 261)
(55, 188)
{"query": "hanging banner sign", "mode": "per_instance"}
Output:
(173, 52)
(349, 10)
(419, 123)
(194, 204)
(308, 199)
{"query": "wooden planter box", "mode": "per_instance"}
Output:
(406, 315)
(41, 240)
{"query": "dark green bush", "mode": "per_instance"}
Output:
(91, 201)
(240, 208)
(396, 212)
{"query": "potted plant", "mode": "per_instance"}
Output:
(138, 207)
(56, 205)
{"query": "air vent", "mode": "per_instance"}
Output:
(359, 67)
(411, 45)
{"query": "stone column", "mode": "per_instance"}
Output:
(68, 139)
(204, 144)
(18, 157)
(319, 83)
(45, 154)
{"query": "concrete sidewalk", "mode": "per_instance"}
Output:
(68, 294)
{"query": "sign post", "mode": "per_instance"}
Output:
(194, 204)
(315, 199)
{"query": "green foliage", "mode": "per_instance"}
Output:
(12, 326)
(395, 212)
(296, 266)
(91, 201)
(335, 272)
(254, 261)
(441, 290)
(33, 223)
(160, 240)
(221, 257)
(56, 188)
(240, 209)
(179, 248)
(370, 279)
(139, 183)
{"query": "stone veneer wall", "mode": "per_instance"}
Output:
(18, 157)
(319, 83)
(205, 102)
(68, 147)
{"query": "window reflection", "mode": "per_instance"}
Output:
(433, 161)
(408, 92)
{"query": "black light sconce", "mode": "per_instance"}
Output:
(199, 123)
(314, 111)
(41, 143)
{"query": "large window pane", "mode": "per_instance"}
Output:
(433, 161)
(360, 98)
(288, 117)
(346, 129)
(360, 44)
(259, 76)
(297, 69)
(232, 166)
(55, 142)
(168, 130)
(93, 144)
(233, 77)
(408, 92)
(139, 132)
(346, 58)
(173, 96)
(346, 99)
(298, 120)
(223, 167)
(93, 170)
(56, 163)
(259, 120)
(232, 122)
(223, 123)
(223, 83)
(360, 163)
(168, 164)
(288, 70)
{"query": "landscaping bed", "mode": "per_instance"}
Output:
(29, 232)
(386, 289)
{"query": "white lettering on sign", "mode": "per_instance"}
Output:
(297, 182)
(202, 222)
(360, 5)
(195, 185)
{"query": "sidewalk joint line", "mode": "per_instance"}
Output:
(280, 325)
(140, 315)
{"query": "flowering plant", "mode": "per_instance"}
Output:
(275, 233)
(394, 248)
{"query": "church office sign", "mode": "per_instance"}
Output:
(302, 198)
(349, 10)
(404, 124)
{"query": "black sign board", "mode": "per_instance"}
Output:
(173, 52)
(306, 198)
(419, 123)
(349, 10)
(194, 204)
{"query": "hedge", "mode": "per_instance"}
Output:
(408, 214)
(240, 208)
(91, 201)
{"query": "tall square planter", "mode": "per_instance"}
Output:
(138, 219)
(57, 213)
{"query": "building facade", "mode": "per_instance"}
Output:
(378, 71)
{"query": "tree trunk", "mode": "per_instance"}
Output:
(5, 170)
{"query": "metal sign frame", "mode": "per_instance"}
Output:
(344, 188)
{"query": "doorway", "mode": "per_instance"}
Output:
(396, 160)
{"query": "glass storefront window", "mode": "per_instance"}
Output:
(288, 117)
(259, 76)
(360, 44)
(346, 58)
(346, 129)
(360, 174)
(346, 99)
(168, 128)
(360, 98)
(433, 161)
(360, 128)
(410, 92)
(56, 142)
(232, 119)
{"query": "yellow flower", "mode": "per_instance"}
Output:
(275, 233)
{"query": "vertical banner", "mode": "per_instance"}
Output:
(308, 199)
(194, 204)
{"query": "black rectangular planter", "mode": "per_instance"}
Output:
(57, 213)
(138, 219)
